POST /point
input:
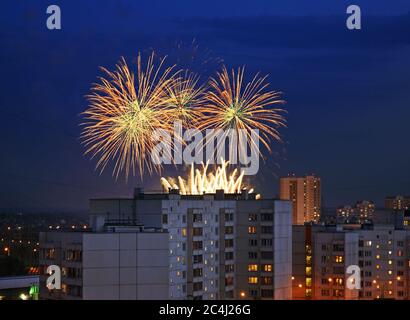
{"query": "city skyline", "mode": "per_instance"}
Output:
(338, 85)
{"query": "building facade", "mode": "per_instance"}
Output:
(321, 255)
(218, 246)
(305, 195)
(397, 203)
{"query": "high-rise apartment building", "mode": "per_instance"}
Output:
(321, 255)
(218, 246)
(305, 194)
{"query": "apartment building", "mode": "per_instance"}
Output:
(305, 195)
(397, 202)
(218, 246)
(320, 258)
(321, 255)
(123, 263)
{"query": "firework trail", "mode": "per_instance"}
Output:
(200, 182)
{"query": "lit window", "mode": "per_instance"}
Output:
(378, 256)
(390, 272)
(252, 267)
(252, 230)
(183, 232)
(390, 262)
(253, 280)
(368, 243)
(267, 268)
(339, 259)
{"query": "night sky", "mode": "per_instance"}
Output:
(347, 92)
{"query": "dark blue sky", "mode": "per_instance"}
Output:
(348, 93)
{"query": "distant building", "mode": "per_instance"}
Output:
(172, 246)
(305, 194)
(321, 255)
(397, 203)
(364, 210)
(345, 213)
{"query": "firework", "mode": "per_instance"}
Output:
(184, 98)
(124, 112)
(229, 104)
(201, 182)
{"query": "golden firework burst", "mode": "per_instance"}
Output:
(229, 104)
(185, 98)
(124, 112)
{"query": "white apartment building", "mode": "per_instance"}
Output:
(218, 246)
(123, 263)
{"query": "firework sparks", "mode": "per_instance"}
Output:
(124, 112)
(184, 98)
(201, 182)
(231, 105)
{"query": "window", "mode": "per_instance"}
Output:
(253, 217)
(338, 270)
(197, 272)
(228, 255)
(253, 293)
(165, 219)
(339, 259)
(267, 268)
(253, 280)
(253, 242)
(267, 255)
(267, 280)
(325, 292)
(368, 243)
(325, 259)
(197, 232)
(229, 230)
(266, 293)
(338, 247)
(197, 245)
(400, 243)
(229, 281)
(266, 242)
(197, 258)
(50, 254)
(197, 286)
(183, 232)
(228, 243)
(267, 217)
(228, 216)
(197, 217)
(252, 230)
(253, 255)
(267, 229)
(252, 267)
(229, 268)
